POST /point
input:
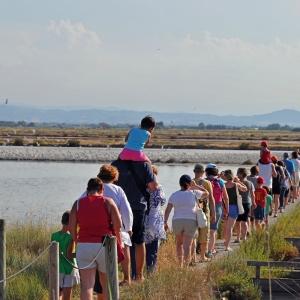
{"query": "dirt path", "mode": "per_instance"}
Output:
(220, 243)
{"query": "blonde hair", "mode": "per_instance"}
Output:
(154, 170)
(108, 173)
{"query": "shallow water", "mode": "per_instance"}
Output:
(41, 191)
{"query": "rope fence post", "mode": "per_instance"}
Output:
(54, 271)
(2, 258)
(112, 268)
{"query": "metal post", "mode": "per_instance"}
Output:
(2, 258)
(54, 271)
(112, 268)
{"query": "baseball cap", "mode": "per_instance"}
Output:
(274, 159)
(211, 166)
(185, 179)
(264, 143)
(260, 180)
(199, 168)
(285, 155)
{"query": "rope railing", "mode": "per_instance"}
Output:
(27, 266)
(109, 244)
(87, 266)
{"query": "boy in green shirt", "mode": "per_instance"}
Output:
(68, 276)
(268, 208)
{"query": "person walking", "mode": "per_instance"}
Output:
(92, 218)
(221, 204)
(209, 210)
(277, 184)
(184, 223)
(136, 178)
(233, 186)
(248, 200)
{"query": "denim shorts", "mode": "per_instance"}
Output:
(259, 213)
(233, 211)
(219, 210)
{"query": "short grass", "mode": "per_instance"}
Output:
(230, 275)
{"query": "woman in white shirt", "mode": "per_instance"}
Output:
(184, 221)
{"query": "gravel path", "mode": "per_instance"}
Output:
(81, 154)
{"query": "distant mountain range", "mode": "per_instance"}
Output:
(114, 117)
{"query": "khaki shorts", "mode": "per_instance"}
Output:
(69, 280)
(186, 226)
(86, 253)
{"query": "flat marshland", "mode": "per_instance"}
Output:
(245, 139)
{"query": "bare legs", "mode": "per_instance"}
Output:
(276, 204)
(228, 232)
(140, 254)
(212, 240)
(87, 281)
(126, 265)
(183, 248)
(66, 293)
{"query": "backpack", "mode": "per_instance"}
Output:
(217, 189)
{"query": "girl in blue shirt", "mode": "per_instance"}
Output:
(136, 140)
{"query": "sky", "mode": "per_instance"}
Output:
(204, 56)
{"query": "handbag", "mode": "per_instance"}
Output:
(200, 215)
(239, 201)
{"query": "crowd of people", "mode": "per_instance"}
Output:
(127, 200)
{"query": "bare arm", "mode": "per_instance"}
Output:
(73, 222)
(115, 218)
(197, 187)
(252, 195)
(167, 212)
(241, 187)
(70, 250)
(148, 140)
(226, 199)
(212, 206)
(274, 173)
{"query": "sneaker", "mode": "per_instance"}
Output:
(214, 251)
(236, 241)
(275, 216)
(209, 254)
(228, 249)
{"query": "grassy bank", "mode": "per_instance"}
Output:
(227, 276)
(24, 243)
(230, 275)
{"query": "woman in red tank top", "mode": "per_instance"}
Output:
(92, 218)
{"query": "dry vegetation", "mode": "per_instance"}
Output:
(172, 138)
(228, 276)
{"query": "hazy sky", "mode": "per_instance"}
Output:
(228, 56)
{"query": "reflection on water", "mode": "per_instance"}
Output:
(43, 190)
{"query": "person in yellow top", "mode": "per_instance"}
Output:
(208, 205)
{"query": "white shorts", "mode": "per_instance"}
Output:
(86, 253)
(126, 238)
(69, 280)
